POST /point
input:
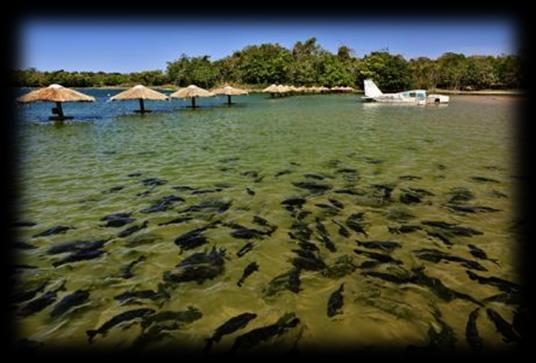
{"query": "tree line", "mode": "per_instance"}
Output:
(306, 64)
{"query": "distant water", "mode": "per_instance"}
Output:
(387, 166)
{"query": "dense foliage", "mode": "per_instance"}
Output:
(307, 64)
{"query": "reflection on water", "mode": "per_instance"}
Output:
(345, 223)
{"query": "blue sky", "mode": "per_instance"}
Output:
(145, 44)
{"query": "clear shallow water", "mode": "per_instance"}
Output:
(66, 171)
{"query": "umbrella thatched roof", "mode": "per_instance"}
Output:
(55, 93)
(139, 92)
(323, 89)
(191, 91)
(229, 91)
(271, 89)
(342, 89)
(283, 89)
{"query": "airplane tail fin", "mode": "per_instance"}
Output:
(371, 90)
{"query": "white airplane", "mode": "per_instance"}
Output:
(418, 96)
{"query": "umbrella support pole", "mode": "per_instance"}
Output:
(228, 99)
(142, 106)
(57, 113)
(193, 102)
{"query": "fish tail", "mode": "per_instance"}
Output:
(91, 334)
(208, 346)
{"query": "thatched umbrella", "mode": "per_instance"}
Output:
(229, 91)
(192, 91)
(58, 94)
(323, 89)
(273, 90)
(140, 93)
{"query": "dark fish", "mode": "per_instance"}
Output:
(346, 191)
(452, 228)
(258, 335)
(117, 219)
(336, 203)
(471, 208)
(442, 340)
(251, 174)
(323, 232)
(342, 230)
(311, 264)
(75, 246)
(436, 256)
(282, 172)
(505, 298)
(484, 179)
(336, 301)
(38, 304)
(389, 277)
(135, 174)
(77, 256)
(206, 191)
(437, 287)
(176, 221)
(182, 317)
(192, 239)
(70, 301)
(313, 187)
(130, 230)
(21, 296)
(501, 284)
(387, 246)
(126, 272)
(503, 326)
(460, 195)
(409, 197)
(378, 257)
(230, 326)
(294, 280)
(159, 206)
(251, 268)
(408, 228)
(308, 246)
(354, 222)
(471, 331)
(294, 202)
(441, 236)
(250, 191)
(183, 188)
(23, 224)
(498, 194)
(261, 221)
(153, 182)
(246, 233)
(480, 253)
(346, 171)
(118, 319)
(198, 267)
(314, 176)
(115, 189)
(52, 231)
(142, 294)
(144, 193)
(344, 265)
(300, 231)
(245, 249)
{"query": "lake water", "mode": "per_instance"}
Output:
(365, 172)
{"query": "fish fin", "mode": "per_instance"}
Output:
(208, 346)
(91, 334)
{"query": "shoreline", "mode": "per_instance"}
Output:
(513, 92)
